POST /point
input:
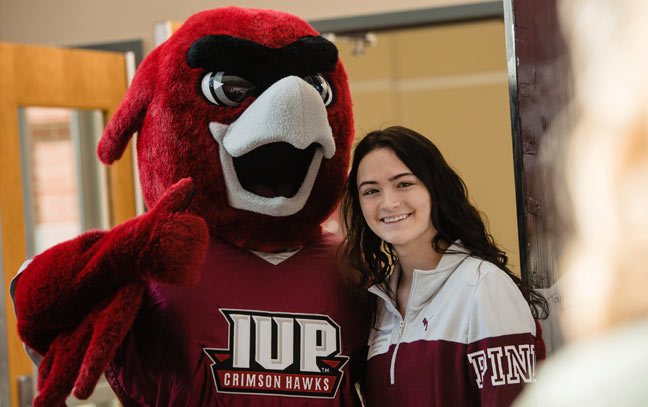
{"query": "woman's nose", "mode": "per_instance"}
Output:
(390, 200)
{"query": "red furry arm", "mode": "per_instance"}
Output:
(60, 286)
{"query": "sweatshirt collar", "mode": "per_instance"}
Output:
(425, 283)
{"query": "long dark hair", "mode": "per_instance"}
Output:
(452, 215)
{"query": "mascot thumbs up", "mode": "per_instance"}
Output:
(226, 292)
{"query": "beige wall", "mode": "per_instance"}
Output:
(76, 22)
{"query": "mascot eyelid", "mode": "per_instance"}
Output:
(322, 86)
(222, 89)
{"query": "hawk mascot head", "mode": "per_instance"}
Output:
(254, 106)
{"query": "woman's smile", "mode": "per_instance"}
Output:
(397, 218)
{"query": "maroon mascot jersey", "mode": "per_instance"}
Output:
(249, 333)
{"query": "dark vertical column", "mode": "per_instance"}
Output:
(540, 88)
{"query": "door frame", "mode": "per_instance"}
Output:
(410, 18)
(48, 77)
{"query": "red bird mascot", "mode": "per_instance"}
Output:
(226, 292)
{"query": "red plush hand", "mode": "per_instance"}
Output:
(176, 242)
(77, 358)
(76, 301)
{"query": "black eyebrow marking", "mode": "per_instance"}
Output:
(306, 56)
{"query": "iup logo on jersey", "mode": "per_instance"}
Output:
(279, 353)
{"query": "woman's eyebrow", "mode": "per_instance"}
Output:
(400, 175)
(367, 183)
(395, 177)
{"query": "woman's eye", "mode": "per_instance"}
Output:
(225, 90)
(320, 84)
(369, 192)
(405, 184)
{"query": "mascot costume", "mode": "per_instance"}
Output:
(226, 292)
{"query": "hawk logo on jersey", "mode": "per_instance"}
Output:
(280, 354)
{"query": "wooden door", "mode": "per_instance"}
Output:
(48, 77)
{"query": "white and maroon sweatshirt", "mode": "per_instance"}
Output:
(467, 338)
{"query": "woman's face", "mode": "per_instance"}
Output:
(395, 204)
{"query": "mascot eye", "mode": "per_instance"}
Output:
(321, 86)
(225, 90)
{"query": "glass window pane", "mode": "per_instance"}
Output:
(65, 187)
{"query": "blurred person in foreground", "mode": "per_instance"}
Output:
(606, 262)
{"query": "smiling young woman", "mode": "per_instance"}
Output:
(452, 324)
